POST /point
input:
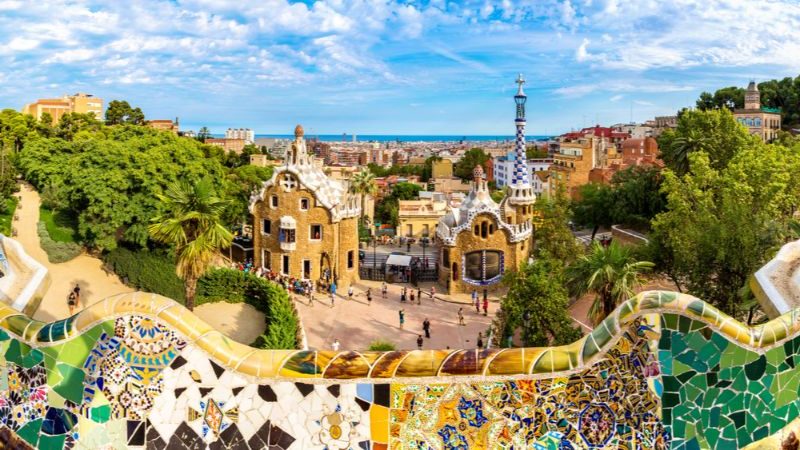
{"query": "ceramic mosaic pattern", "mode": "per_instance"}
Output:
(139, 371)
(718, 394)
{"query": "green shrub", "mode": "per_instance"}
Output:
(151, 271)
(8, 205)
(235, 286)
(379, 345)
(60, 224)
(57, 252)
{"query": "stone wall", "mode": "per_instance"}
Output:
(139, 371)
(336, 241)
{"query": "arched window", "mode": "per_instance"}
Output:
(477, 230)
(483, 267)
(484, 229)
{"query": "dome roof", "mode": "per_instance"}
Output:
(298, 131)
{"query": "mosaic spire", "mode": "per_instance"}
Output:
(521, 190)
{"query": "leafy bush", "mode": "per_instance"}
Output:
(8, 205)
(60, 224)
(57, 252)
(235, 286)
(151, 271)
(379, 345)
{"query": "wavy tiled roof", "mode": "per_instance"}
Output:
(345, 365)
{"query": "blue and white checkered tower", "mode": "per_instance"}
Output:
(521, 190)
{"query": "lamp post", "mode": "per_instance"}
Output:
(375, 249)
(424, 243)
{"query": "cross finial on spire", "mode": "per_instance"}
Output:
(520, 81)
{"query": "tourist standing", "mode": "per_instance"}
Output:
(433, 291)
(369, 296)
(403, 295)
(461, 316)
(350, 292)
(384, 289)
(333, 298)
(402, 317)
(426, 327)
(412, 297)
(485, 306)
(333, 287)
(419, 295)
(77, 291)
(480, 340)
(475, 301)
(335, 345)
(419, 341)
(71, 303)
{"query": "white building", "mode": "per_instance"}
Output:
(241, 133)
(504, 170)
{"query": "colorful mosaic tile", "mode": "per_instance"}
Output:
(663, 371)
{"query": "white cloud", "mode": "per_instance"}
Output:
(71, 56)
(639, 86)
(19, 44)
(617, 98)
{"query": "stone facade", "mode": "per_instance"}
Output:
(761, 121)
(306, 224)
(481, 240)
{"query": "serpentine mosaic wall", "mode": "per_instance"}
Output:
(137, 371)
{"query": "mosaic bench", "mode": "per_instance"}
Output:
(665, 370)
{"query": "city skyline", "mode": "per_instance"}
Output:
(423, 68)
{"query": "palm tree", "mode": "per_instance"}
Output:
(363, 183)
(681, 148)
(612, 273)
(192, 224)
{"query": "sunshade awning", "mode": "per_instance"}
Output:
(398, 260)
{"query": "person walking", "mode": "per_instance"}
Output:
(402, 316)
(333, 298)
(333, 287)
(71, 303)
(384, 289)
(350, 292)
(335, 345)
(419, 341)
(369, 296)
(480, 340)
(485, 306)
(475, 301)
(426, 327)
(461, 316)
(77, 291)
(433, 292)
(419, 295)
(403, 295)
(412, 297)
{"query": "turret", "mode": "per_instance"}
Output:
(521, 189)
(752, 98)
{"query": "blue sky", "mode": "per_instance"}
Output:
(406, 67)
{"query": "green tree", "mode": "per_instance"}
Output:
(594, 207)
(552, 235)
(387, 210)
(241, 183)
(637, 196)
(111, 179)
(721, 224)
(537, 302)
(713, 132)
(203, 134)
(731, 97)
(193, 226)
(363, 184)
(611, 273)
(75, 125)
(120, 112)
(534, 152)
(472, 158)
